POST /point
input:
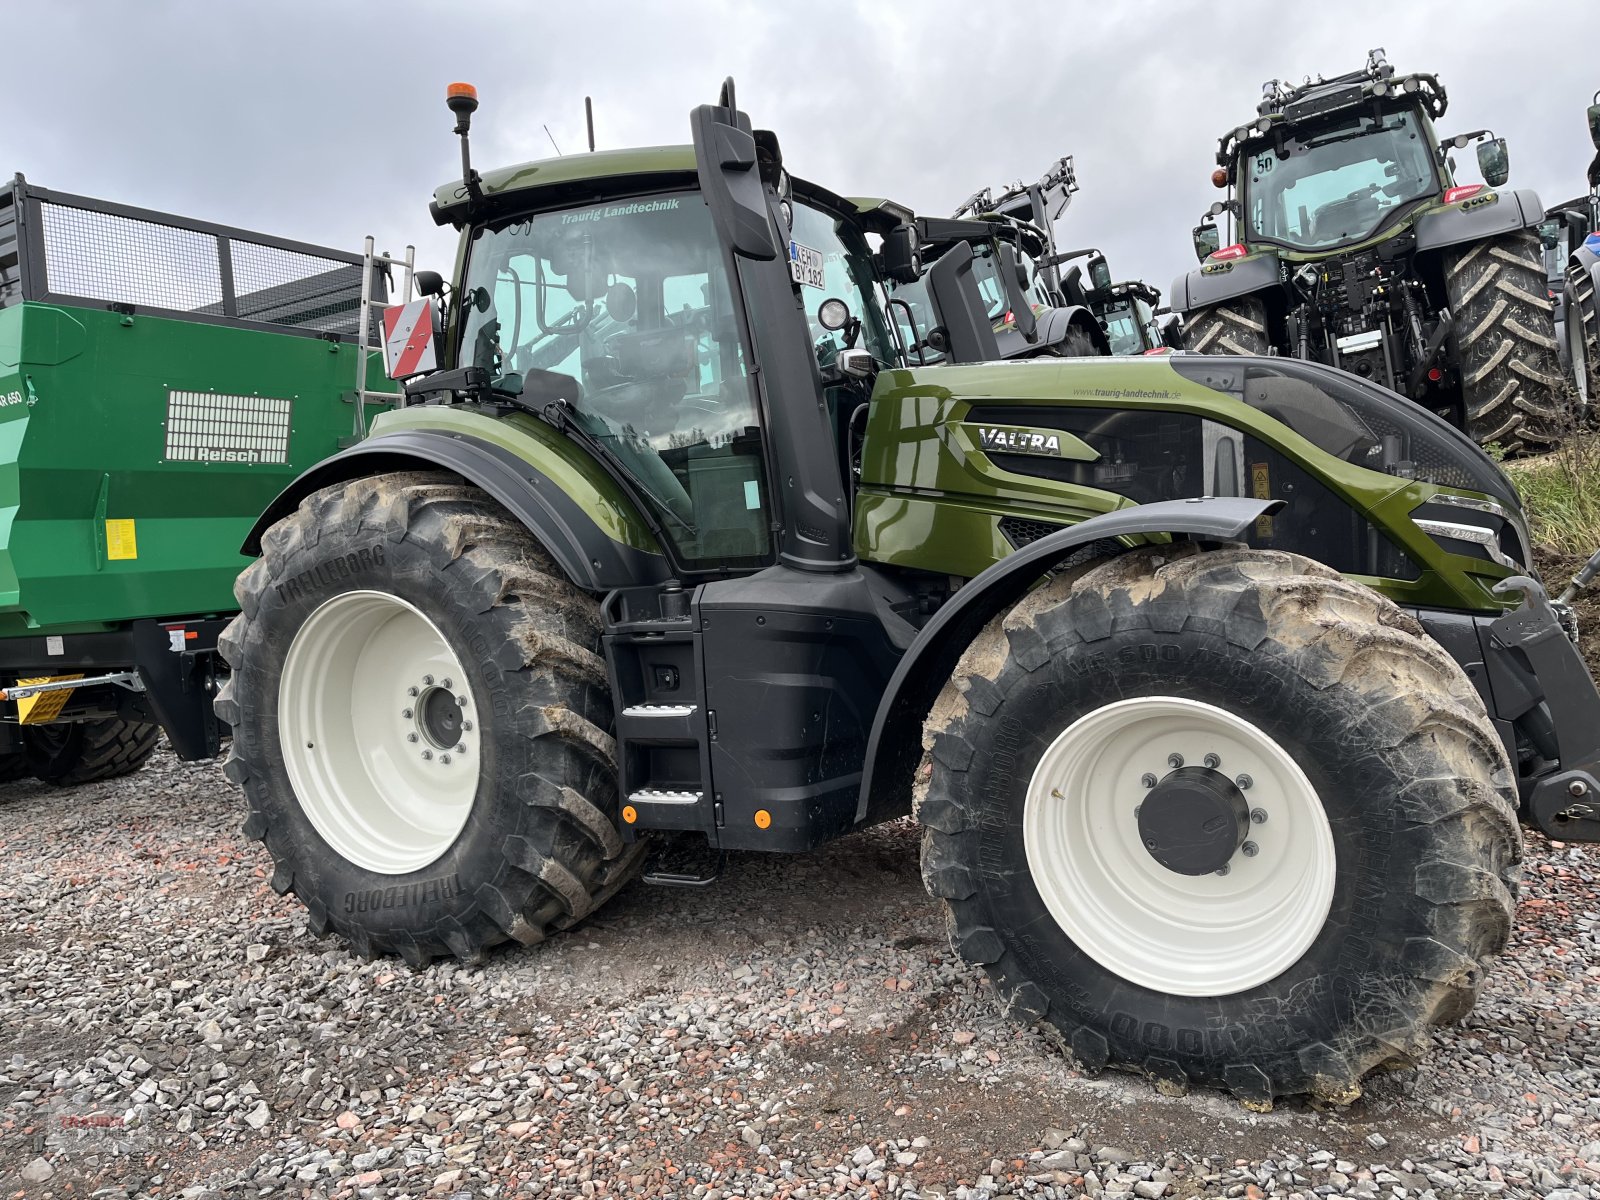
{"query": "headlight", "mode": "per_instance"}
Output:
(1496, 535)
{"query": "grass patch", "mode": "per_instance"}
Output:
(1562, 493)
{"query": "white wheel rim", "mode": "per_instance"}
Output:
(1206, 935)
(363, 705)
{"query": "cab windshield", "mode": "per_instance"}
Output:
(1338, 182)
(630, 299)
(986, 271)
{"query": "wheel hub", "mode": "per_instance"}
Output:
(1194, 820)
(439, 718)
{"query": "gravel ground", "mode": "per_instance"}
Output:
(800, 1030)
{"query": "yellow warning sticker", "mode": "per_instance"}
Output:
(121, 540)
(46, 706)
(1261, 487)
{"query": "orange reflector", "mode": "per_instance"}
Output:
(1219, 177)
(460, 89)
(629, 813)
(763, 818)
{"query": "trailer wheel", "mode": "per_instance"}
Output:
(78, 752)
(421, 721)
(1505, 344)
(1220, 818)
(1235, 327)
(14, 766)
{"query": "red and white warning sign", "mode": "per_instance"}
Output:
(408, 339)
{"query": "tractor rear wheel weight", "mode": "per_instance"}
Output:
(1504, 341)
(1253, 667)
(1234, 327)
(366, 577)
(78, 752)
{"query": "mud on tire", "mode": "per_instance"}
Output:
(539, 850)
(1505, 344)
(1414, 782)
(1235, 327)
(79, 752)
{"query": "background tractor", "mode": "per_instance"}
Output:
(161, 379)
(1354, 245)
(1034, 309)
(1215, 683)
(1571, 234)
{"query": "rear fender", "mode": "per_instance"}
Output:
(1213, 282)
(895, 744)
(1473, 219)
(590, 557)
(1056, 323)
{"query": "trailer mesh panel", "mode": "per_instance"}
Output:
(209, 427)
(209, 271)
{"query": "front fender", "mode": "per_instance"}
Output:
(895, 744)
(589, 555)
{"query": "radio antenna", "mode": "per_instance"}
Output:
(588, 116)
(552, 138)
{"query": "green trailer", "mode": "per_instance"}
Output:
(161, 379)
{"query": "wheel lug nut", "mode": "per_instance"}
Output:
(445, 760)
(446, 684)
(413, 692)
(1223, 869)
(1148, 780)
(461, 747)
(428, 680)
(1258, 815)
(1250, 849)
(461, 701)
(466, 725)
(411, 737)
(1244, 782)
(426, 755)
(1212, 761)
(1174, 761)
(406, 713)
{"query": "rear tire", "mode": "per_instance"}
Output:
(1583, 333)
(1505, 346)
(1381, 885)
(1235, 327)
(78, 752)
(1076, 344)
(386, 848)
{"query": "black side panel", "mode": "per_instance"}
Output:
(581, 548)
(795, 667)
(896, 740)
(955, 297)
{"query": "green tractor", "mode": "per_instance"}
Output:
(1354, 245)
(1215, 683)
(161, 379)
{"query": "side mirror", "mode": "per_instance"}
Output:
(1099, 274)
(725, 159)
(428, 283)
(1022, 314)
(1207, 241)
(1494, 161)
(1594, 122)
(902, 254)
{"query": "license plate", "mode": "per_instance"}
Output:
(805, 265)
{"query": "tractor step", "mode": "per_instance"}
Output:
(663, 796)
(677, 862)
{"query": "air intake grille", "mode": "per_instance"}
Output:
(1019, 531)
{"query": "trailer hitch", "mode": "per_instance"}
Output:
(1565, 804)
(21, 691)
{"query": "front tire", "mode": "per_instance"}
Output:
(1505, 346)
(1364, 883)
(1235, 327)
(1583, 332)
(421, 722)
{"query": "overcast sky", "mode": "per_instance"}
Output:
(326, 121)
